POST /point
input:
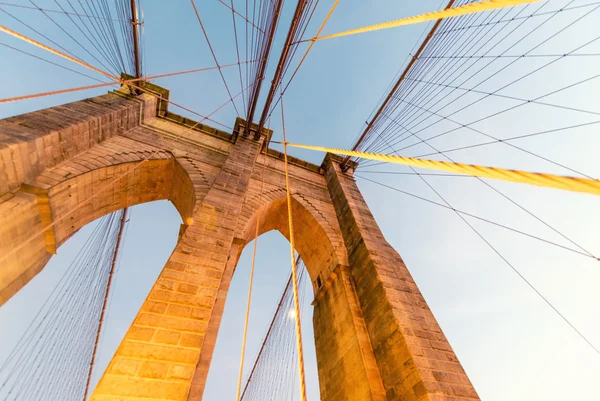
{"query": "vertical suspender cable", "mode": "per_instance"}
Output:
(241, 372)
(136, 42)
(294, 270)
(110, 278)
(269, 330)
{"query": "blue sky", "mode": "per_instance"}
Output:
(511, 343)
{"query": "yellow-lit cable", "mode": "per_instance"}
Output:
(241, 370)
(575, 184)
(436, 15)
(54, 51)
(256, 229)
(294, 268)
(119, 82)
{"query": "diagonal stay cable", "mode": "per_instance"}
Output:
(402, 139)
(474, 216)
(50, 62)
(469, 127)
(502, 38)
(512, 267)
(532, 101)
(505, 86)
(240, 15)
(67, 52)
(56, 52)
(89, 36)
(438, 45)
(96, 35)
(214, 56)
(479, 57)
(2, 3)
(509, 139)
(513, 138)
(500, 112)
(116, 82)
(99, 26)
(508, 198)
(488, 94)
(102, 29)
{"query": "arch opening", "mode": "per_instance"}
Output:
(67, 290)
(58, 206)
(312, 240)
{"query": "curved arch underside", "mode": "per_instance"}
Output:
(61, 168)
(312, 242)
(67, 197)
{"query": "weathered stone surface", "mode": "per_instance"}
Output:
(63, 167)
(408, 344)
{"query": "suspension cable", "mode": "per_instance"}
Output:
(510, 265)
(258, 215)
(272, 373)
(51, 359)
(56, 11)
(575, 184)
(240, 15)
(397, 84)
(312, 43)
(105, 187)
(293, 261)
(49, 62)
(104, 303)
(299, 20)
(213, 55)
(466, 9)
(58, 53)
(119, 82)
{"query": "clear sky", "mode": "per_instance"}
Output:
(512, 345)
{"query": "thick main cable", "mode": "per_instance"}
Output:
(574, 184)
(305, 55)
(54, 51)
(436, 15)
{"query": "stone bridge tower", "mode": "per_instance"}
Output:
(63, 167)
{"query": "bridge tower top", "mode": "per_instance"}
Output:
(64, 167)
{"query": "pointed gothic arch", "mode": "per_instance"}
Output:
(312, 233)
(376, 338)
(119, 173)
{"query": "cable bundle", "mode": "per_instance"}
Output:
(52, 360)
(274, 373)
